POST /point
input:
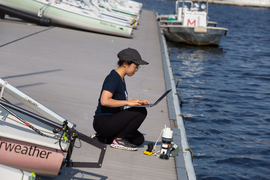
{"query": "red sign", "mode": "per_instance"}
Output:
(191, 23)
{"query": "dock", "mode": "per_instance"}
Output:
(64, 69)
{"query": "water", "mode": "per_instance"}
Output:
(226, 91)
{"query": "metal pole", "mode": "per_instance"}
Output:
(183, 3)
(23, 121)
(33, 115)
(32, 103)
(207, 7)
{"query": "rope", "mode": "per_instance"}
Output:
(76, 134)
(63, 135)
(177, 81)
(154, 148)
(184, 120)
(179, 99)
(191, 152)
(60, 143)
(26, 123)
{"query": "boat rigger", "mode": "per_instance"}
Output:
(33, 143)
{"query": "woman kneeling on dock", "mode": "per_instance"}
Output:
(112, 120)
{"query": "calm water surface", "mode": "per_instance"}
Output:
(226, 91)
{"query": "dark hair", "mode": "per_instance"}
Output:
(121, 62)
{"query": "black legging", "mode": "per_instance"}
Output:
(124, 124)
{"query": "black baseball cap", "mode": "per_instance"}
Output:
(131, 55)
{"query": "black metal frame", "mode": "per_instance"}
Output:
(22, 15)
(73, 135)
(88, 140)
(32, 115)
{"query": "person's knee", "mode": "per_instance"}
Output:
(144, 111)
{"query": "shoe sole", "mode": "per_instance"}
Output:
(123, 147)
(93, 136)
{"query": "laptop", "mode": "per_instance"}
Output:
(151, 104)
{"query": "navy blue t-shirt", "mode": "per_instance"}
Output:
(113, 83)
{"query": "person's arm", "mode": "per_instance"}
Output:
(107, 100)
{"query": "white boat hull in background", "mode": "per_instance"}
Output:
(78, 15)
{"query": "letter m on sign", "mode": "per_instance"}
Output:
(193, 23)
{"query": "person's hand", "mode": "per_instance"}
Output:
(144, 102)
(137, 102)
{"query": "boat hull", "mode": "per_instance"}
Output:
(194, 35)
(30, 157)
(15, 174)
(70, 18)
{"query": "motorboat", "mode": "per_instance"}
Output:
(80, 14)
(190, 25)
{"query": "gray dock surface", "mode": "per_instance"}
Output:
(64, 69)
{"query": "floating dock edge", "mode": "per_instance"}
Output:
(176, 118)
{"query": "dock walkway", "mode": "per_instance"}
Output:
(64, 70)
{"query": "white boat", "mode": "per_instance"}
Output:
(190, 25)
(130, 8)
(24, 149)
(81, 14)
(34, 143)
(136, 6)
(252, 3)
(15, 174)
(108, 11)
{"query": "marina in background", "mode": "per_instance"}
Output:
(253, 3)
(108, 17)
(225, 91)
(189, 24)
(66, 59)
